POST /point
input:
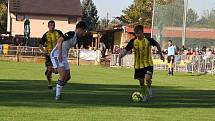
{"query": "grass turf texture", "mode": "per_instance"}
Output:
(103, 94)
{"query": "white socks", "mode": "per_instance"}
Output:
(58, 90)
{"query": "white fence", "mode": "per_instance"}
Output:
(34, 52)
(183, 63)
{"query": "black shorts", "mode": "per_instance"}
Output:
(48, 61)
(169, 58)
(140, 73)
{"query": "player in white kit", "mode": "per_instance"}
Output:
(59, 55)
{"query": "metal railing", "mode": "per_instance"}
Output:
(183, 63)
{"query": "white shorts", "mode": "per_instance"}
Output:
(56, 63)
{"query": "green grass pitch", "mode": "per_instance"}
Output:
(97, 93)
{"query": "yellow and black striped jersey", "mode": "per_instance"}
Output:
(50, 38)
(142, 51)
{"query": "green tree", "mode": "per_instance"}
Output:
(192, 17)
(207, 20)
(139, 12)
(168, 12)
(211, 18)
(89, 12)
(3, 16)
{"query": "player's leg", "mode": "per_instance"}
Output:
(61, 70)
(60, 83)
(48, 72)
(169, 65)
(64, 72)
(148, 78)
(67, 70)
(139, 75)
(142, 86)
(172, 62)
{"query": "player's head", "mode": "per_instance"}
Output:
(170, 42)
(81, 28)
(51, 25)
(138, 30)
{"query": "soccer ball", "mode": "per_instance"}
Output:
(137, 96)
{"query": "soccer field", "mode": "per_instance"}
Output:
(103, 94)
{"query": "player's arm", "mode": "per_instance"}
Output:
(159, 51)
(42, 42)
(41, 48)
(122, 53)
(59, 47)
(125, 50)
(155, 43)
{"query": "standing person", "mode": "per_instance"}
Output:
(59, 55)
(171, 57)
(49, 41)
(143, 59)
(102, 46)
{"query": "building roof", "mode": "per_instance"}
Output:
(46, 7)
(193, 33)
(146, 30)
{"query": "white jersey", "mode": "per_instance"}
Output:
(171, 50)
(70, 41)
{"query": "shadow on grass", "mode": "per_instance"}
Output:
(34, 93)
(197, 74)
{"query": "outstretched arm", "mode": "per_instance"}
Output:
(42, 42)
(159, 51)
(59, 47)
(122, 53)
(155, 43)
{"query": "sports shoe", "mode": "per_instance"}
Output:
(59, 97)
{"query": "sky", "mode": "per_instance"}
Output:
(114, 7)
(200, 5)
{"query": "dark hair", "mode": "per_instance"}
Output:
(81, 25)
(170, 41)
(132, 33)
(138, 28)
(51, 21)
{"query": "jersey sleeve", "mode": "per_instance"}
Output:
(60, 33)
(130, 45)
(68, 35)
(152, 41)
(43, 39)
